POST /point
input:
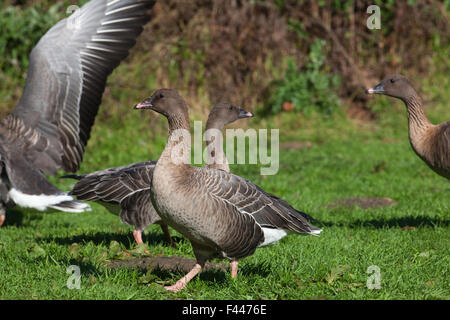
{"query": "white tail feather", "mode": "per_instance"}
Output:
(42, 202)
(76, 207)
(272, 236)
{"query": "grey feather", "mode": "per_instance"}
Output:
(49, 128)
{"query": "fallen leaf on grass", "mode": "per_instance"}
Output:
(336, 273)
(425, 254)
(37, 252)
(140, 250)
(92, 279)
(355, 285)
(74, 250)
(430, 283)
(115, 250)
(299, 282)
(126, 254)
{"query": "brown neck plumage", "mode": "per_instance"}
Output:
(417, 120)
(178, 147)
(179, 121)
(216, 158)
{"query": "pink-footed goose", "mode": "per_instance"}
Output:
(430, 142)
(50, 127)
(126, 190)
(222, 214)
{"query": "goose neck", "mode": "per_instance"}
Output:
(417, 120)
(418, 123)
(178, 148)
(214, 146)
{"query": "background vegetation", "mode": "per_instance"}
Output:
(302, 66)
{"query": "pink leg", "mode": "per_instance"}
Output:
(138, 237)
(167, 236)
(234, 268)
(2, 219)
(180, 284)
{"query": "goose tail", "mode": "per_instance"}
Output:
(74, 206)
(42, 202)
(315, 231)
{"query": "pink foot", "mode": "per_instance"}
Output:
(2, 219)
(180, 284)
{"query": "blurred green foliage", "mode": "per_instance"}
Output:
(310, 88)
(257, 52)
(21, 30)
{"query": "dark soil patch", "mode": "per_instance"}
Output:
(165, 263)
(364, 203)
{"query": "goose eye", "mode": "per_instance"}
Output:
(161, 96)
(231, 107)
(392, 80)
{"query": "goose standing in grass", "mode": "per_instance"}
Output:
(50, 127)
(126, 190)
(222, 214)
(430, 142)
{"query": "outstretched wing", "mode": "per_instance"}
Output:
(67, 75)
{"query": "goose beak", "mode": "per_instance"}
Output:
(244, 114)
(146, 104)
(377, 89)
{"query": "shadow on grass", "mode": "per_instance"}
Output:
(107, 238)
(13, 218)
(262, 269)
(212, 275)
(172, 268)
(389, 223)
(86, 267)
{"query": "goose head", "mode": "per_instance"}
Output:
(396, 86)
(166, 102)
(224, 113)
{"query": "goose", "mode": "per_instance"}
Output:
(125, 191)
(430, 142)
(49, 128)
(222, 214)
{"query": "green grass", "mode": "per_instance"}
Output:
(347, 159)
(37, 248)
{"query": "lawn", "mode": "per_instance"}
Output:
(322, 158)
(334, 158)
